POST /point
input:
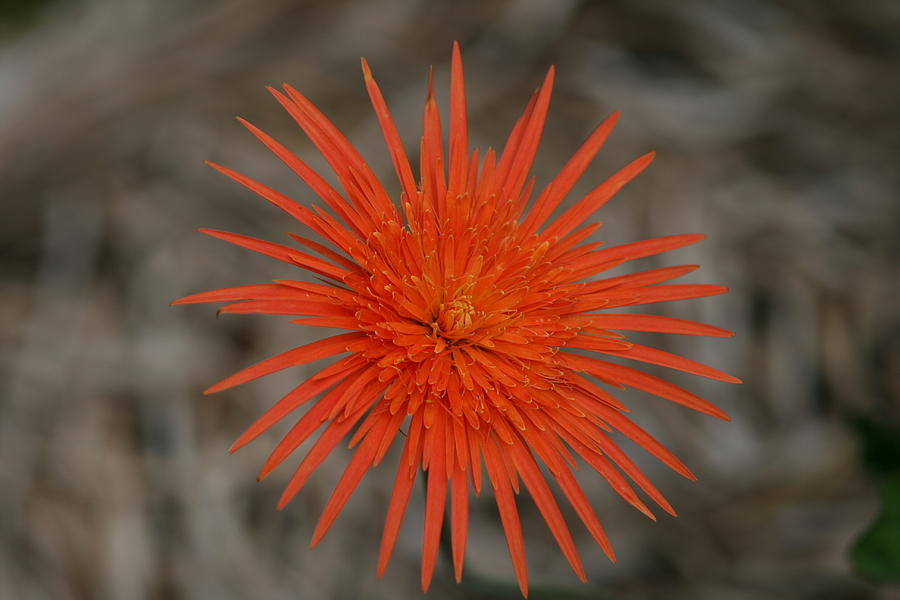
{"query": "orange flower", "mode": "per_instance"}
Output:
(467, 320)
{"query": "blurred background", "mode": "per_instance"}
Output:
(777, 132)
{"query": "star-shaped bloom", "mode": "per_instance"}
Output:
(477, 330)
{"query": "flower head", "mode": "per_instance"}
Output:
(468, 319)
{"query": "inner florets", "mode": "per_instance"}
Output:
(455, 318)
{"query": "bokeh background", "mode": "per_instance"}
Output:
(777, 131)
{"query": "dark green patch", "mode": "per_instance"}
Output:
(16, 12)
(876, 555)
(879, 444)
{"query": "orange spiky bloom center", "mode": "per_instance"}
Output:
(468, 318)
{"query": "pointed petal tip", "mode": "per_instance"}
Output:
(253, 128)
(239, 443)
(367, 71)
(266, 471)
(429, 100)
(316, 538)
(288, 89)
(549, 79)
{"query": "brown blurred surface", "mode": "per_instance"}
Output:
(777, 133)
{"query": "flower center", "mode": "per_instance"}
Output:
(455, 318)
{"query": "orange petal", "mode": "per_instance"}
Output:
(583, 509)
(298, 356)
(665, 359)
(299, 395)
(244, 292)
(635, 250)
(585, 207)
(399, 499)
(641, 278)
(283, 253)
(608, 371)
(326, 252)
(643, 439)
(314, 418)
(330, 438)
(531, 136)
(337, 322)
(660, 293)
(623, 462)
(435, 500)
(318, 185)
(547, 506)
(634, 322)
(459, 517)
(391, 137)
(353, 474)
(509, 515)
(285, 307)
(458, 138)
(562, 184)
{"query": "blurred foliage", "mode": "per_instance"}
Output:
(876, 554)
